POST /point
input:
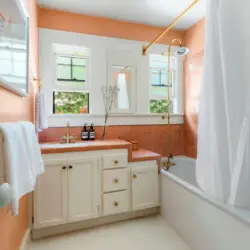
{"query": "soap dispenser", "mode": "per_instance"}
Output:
(85, 134)
(92, 132)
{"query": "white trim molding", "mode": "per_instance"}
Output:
(98, 120)
(105, 52)
(26, 240)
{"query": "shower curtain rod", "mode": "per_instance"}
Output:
(145, 48)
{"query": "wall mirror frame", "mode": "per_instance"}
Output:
(14, 46)
(122, 71)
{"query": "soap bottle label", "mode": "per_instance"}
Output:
(85, 134)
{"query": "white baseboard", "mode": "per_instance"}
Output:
(71, 227)
(26, 240)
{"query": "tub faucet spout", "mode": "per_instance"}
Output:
(167, 164)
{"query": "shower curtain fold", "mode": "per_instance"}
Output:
(223, 161)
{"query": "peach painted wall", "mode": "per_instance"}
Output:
(15, 108)
(151, 137)
(60, 20)
(195, 38)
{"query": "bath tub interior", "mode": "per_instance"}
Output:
(184, 171)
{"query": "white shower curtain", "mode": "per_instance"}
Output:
(223, 162)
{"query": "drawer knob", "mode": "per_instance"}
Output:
(116, 162)
(116, 181)
(116, 204)
(64, 167)
(70, 166)
(134, 176)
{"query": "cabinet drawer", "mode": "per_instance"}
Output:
(115, 203)
(115, 180)
(115, 161)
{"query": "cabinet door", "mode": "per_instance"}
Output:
(145, 189)
(50, 196)
(83, 189)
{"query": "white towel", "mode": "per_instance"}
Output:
(41, 117)
(33, 149)
(22, 159)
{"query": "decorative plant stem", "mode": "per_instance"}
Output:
(109, 94)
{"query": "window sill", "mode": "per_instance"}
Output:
(114, 119)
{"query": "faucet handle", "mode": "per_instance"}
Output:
(72, 139)
(63, 140)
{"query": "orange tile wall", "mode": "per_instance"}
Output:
(193, 77)
(149, 137)
(15, 108)
(153, 137)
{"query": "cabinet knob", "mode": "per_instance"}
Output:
(70, 166)
(116, 162)
(64, 167)
(116, 204)
(116, 181)
(134, 176)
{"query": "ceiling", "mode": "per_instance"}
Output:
(152, 12)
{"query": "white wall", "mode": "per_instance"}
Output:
(100, 48)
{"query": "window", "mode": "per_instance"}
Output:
(71, 71)
(159, 83)
(71, 87)
(70, 102)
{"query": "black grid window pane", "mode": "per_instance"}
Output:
(63, 72)
(79, 73)
(71, 69)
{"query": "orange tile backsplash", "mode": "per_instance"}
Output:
(150, 137)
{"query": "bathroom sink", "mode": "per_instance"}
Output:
(64, 145)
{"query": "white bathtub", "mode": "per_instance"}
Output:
(204, 223)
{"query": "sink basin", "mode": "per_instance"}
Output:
(65, 145)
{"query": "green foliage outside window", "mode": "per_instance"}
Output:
(158, 106)
(71, 102)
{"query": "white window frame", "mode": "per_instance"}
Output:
(98, 48)
(84, 88)
(124, 59)
(72, 52)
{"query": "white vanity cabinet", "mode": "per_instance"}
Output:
(67, 191)
(145, 185)
(80, 186)
(50, 196)
(83, 202)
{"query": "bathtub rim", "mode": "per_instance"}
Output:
(198, 192)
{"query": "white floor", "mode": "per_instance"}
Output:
(151, 233)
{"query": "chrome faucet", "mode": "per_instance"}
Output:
(67, 138)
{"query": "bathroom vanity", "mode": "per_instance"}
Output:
(93, 183)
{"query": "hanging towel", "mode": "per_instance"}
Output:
(20, 165)
(41, 117)
(33, 149)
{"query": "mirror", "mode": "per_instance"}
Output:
(122, 77)
(14, 46)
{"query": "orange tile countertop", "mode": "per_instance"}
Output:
(133, 156)
(144, 155)
(81, 146)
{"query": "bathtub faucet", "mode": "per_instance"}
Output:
(167, 164)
